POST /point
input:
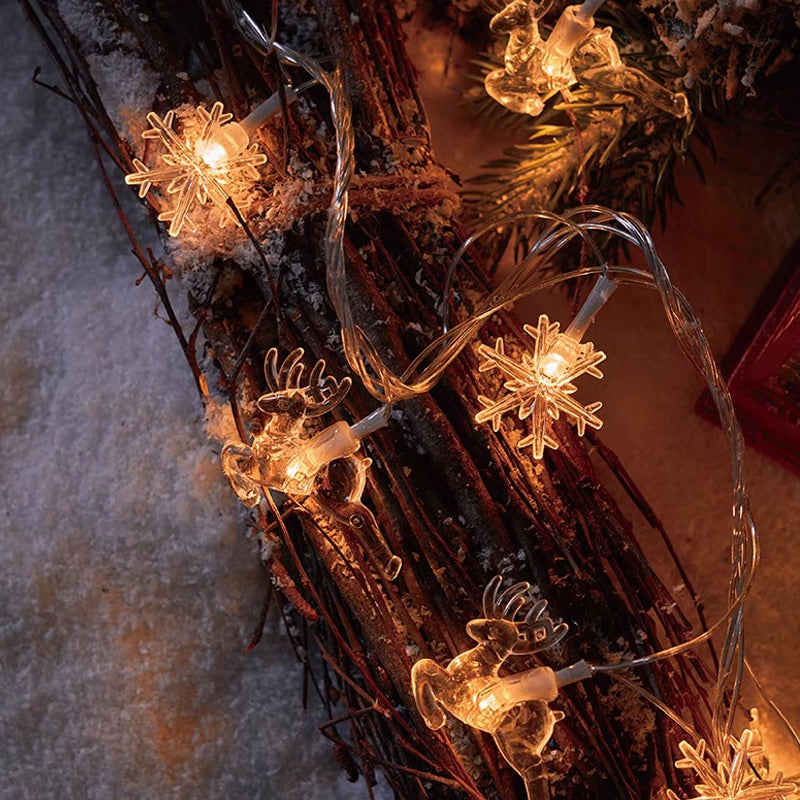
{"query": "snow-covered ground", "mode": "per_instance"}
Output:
(128, 587)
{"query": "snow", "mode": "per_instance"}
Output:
(129, 588)
(129, 585)
(123, 77)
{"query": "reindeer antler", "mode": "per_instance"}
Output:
(318, 396)
(290, 372)
(536, 632)
(327, 392)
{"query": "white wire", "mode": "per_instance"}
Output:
(557, 232)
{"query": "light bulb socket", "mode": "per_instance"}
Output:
(580, 671)
(597, 298)
(268, 109)
(570, 30)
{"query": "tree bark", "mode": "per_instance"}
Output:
(457, 502)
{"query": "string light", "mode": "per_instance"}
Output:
(212, 156)
(575, 52)
(284, 456)
(738, 780)
(514, 710)
(540, 384)
(210, 160)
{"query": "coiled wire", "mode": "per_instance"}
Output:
(557, 231)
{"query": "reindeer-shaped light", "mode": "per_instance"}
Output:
(286, 457)
(514, 710)
(575, 52)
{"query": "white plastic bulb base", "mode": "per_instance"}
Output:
(570, 30)
(535, 684)
(597, 298)
(268, 109)
(339, 440)
(541, 683)
(568, 345)
(579, 671)
(232, 138)
(336, 441)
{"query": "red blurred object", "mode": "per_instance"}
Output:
(763, 369)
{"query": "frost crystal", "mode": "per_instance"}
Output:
(739, 781)
(209, 161)
(541, 385)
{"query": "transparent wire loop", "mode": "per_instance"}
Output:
(557, 231)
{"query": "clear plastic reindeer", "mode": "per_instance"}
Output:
(514, 710)
(575, 52)
(291, 401)
(286, 457)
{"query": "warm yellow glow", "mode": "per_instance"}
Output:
(287, 456)
(540, 384)
(575, 52)
(745, 776)
(515, 709)
(294, 468)
(213, 154)
(284, 455)
(209, 160)
(334, 442)
(552, 365)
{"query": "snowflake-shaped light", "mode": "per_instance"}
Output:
(739, 781)
(212, 159)
(541, 385)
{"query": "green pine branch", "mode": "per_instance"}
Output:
(588, 147)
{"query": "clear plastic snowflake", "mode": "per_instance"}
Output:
(540, 386)
(210, 160)
(740, 781)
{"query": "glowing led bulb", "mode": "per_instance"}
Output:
(213, 154)
(514, 710)
(228, 142)
(734, 780)
(540, 385)
(575, 52)
(210, 160)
